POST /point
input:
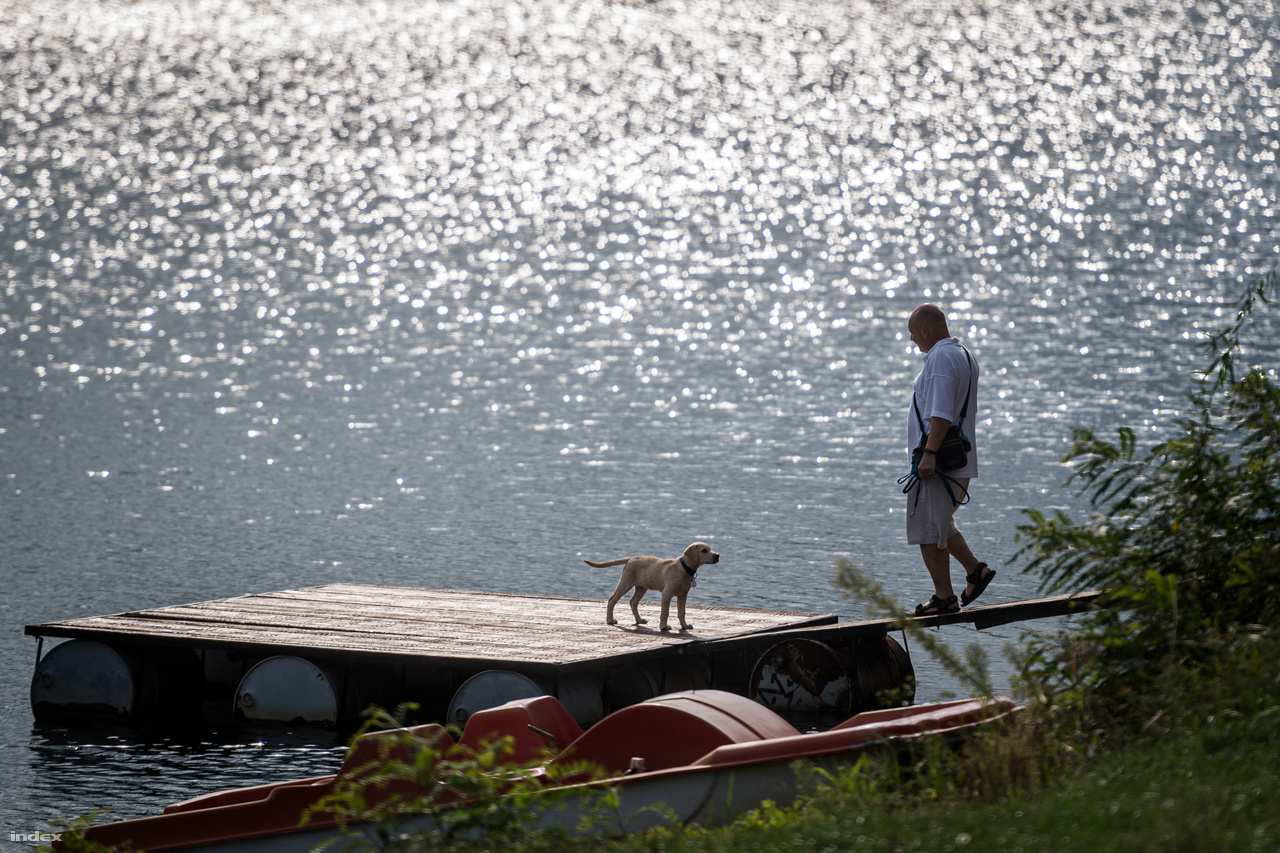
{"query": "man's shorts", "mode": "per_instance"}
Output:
(930, 518)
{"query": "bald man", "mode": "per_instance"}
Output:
(945, 392)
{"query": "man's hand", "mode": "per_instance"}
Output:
(925, 467)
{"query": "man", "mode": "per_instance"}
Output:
(945, 392)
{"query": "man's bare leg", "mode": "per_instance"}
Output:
(959, 549)
(938, 562)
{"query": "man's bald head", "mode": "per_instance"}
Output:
(927, 326)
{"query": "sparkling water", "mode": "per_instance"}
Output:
(456, 294)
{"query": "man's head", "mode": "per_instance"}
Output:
(927, 326)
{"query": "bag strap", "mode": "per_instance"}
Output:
(968, 388)
(964, 410)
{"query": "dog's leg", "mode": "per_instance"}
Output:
(614, 599)
(663, 625)
(635, 605)
(680, 599)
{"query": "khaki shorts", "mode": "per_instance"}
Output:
(930, 520)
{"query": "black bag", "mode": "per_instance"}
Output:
(953, 454)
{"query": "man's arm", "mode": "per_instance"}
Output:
(937, 432)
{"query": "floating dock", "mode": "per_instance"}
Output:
(323, 654)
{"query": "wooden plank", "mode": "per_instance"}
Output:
(367, 619)
(537, 611)
(534, 610)
(482, 646)
(981, 617)
(405, 622)
(992, 615)
(546, 617)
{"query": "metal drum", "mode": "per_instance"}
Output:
(85, 678)
(629, 685)
(802, 675)
(489, 689)
(288, 689)
(581, 695)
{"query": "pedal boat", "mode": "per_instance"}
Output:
(694, 757)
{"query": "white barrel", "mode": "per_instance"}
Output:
(489, 689)
(89, 680)
(581, 695)
(85, 678)
(289, 689)
(802, 675)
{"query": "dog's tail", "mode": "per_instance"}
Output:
(608, 564)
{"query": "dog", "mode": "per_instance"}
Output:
(673, 577)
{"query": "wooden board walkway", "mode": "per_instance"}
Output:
(359, 621)
(980, 616)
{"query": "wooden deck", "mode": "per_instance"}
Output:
(359, 621)
(366, 644)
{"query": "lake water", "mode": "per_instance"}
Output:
(457, 294)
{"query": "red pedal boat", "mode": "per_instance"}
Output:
(702, 756)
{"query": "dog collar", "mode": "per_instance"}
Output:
(688, 571)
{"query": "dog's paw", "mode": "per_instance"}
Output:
(611, 621)
(640, 621)
(664, 627)
(686, 627)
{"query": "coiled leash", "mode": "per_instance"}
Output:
(912, 480)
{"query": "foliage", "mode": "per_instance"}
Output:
(1184, 540)
(458, 798)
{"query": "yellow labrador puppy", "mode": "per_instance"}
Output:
(673, 577)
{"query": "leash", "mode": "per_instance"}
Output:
(912, 480)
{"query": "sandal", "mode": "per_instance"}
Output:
(938, 606)
(980, 583)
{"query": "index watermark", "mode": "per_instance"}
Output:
(35, 837)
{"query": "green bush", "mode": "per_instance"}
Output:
(1184, 541)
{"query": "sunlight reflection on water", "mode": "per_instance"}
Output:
(446, 294)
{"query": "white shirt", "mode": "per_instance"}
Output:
(940, 390)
